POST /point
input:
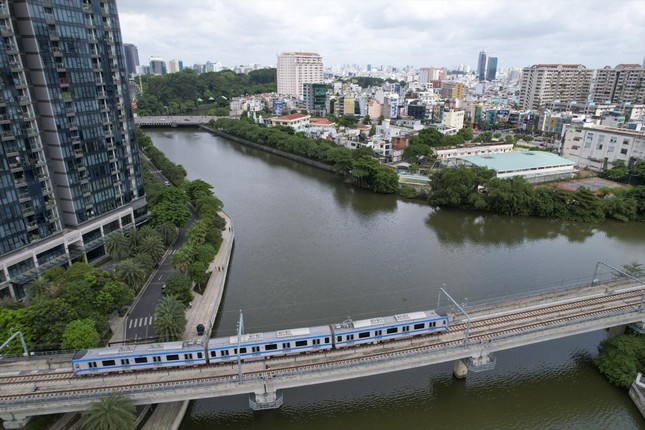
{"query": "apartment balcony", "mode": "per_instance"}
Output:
(64, 82)
(7, 135)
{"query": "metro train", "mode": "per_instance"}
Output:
(258, 346)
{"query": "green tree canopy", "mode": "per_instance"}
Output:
(621, 358)
(180, 286)
(80, 334)
(170, 320)
(114, 412)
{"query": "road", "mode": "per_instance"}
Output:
(139, 323)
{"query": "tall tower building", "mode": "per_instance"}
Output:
(545, 83)
(623, 84)
(131, 58)
(296, 69)
(481, 66)
(157, 66)
(69, 164)
(491, 69)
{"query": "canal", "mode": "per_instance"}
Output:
(311, 250)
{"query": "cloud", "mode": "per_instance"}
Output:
(420, 33)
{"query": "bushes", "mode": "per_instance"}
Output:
(621, 358)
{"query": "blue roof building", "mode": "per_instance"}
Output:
(534, 166)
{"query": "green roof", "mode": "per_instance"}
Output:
(510, 161)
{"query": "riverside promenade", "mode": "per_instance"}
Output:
(168, 416)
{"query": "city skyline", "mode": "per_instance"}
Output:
(417, 33)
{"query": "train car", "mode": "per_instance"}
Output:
(270, 344)
(138, 357)
(374, 330)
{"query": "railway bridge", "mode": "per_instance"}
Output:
(476, 332)
(173, 121)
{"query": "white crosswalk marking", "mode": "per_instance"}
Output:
(140, 322)
(130, 325)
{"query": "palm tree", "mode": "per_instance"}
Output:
(40, 287)
(114, 412)
(182, 258)
(170, 320)
(116, 245)
(167, 231)
(132, 273)
(152, 246)
(134, 237)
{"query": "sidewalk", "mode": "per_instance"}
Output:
(168, 416)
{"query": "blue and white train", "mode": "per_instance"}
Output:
(258, 346)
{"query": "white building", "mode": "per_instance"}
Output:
(454, 119)
(544, 83)
(297, 68)
(446, 152)
(597, 147)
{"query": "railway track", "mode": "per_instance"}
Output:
(33, 387)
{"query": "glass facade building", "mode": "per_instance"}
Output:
(69, 164)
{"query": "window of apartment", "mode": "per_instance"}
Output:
(599, 146)
(625, 141)
(610, 149)
(623, 151)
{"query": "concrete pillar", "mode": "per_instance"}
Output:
(13, 421)
(615, 331)
(460, 370)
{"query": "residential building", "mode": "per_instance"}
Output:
(315, 97)
(157, 66)
(391, 106)
(297, 121)
(545, 83)
(446, 152)
(452, 90)
(374, 109)
(481, 66)
(491, 72)
(174, 66)
(623, 84)
(453, 119)
(597, 147)
(131, 54)
(297, 68)
(69, 163)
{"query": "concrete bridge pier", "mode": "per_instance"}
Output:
(638, 327)
(484, 361)
(615, 331)
(267, 399)
(13, 421)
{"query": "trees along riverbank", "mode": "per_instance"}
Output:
(358, 166)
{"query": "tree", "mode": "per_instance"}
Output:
(416, 152)
(114, 412)
(170, 320)
(132, 273)
(386, 181)
(167, 231)
(620, 358)
(152, 246)
(113, 295)
(48, 320)
(180, 286)
(198, 272)
(116, 245)
(80, 334)
(466, 134)
(428, 136)
(40, 287)
(182, 258)
(638, 169)
(617, 172)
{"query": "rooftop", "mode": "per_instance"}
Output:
(291, 117)
(517, 160)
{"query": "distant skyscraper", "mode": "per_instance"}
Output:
(157, 66)
(131, 58)
(69, 164)
(297, 68)
(492, 69)
(481, 66)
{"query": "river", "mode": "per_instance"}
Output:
(310, 249)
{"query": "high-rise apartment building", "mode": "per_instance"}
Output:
(131, 58)
(623, 84)
(544, 83)
(69, 164)
(481, 66)
(452, 90)
(315, 97)
(298, 68)
(491, 72)
(157, 66)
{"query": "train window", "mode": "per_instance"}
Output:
(200, 355)
(140, 360)
(303, 342)
(419, 326)
(255, 349)
(188, 356)
(172, 357)
(364, 334)
(350, 337)
(326, 340)
(434, 323)
(286, 345)
(224, 353)
(108, 362)
(242, 351)
(378, 333)
(406, 328)
(270, 347)
(392, 330)
(92, 364)
(214, 354)
(339, 338)
(125, 361)
(313, 342)
(156, 359)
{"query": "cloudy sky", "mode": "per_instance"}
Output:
(420, 33)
